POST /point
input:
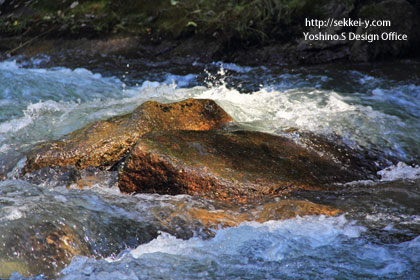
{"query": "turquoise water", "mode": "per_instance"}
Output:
(377, 237)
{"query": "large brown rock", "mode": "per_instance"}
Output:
(104, 143)
(232, 166)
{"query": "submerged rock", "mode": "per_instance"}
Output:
(44, 249)
(232, 166)
(70, 177)
(275, 210)
(104, 143)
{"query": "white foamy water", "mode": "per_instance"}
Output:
(231, 240)
(400, 171)
(233, 67)
(35, 84)
(41, 104)
(57, 101)
(319, 111)
(298, 248)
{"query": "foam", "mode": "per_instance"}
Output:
(180, 80)
(315, 110)
(9, 65)
(69, 99)
(328, 246)
(314, 231)
(10, 214)
(33, 112)
(233, 67)
(400, 171)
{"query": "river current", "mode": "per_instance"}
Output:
(125, 237)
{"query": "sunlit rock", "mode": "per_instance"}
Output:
(104, 143)
(232, 166)
(276, 210)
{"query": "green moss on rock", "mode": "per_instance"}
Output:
(249, 21)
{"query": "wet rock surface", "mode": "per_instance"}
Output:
(53, 247)
(233, 166)
(272, 210)
(177, 148)
(104, 143)
(364, 163)
(107, 224)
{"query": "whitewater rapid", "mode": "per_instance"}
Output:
(376, 237)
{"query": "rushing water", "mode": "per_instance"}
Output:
(149, 236)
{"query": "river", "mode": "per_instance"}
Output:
(120, 236)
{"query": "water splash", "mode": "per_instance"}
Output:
(41, 104)
(270, 250)
(62, 100)
(400, 171)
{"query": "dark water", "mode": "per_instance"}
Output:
(116, 236)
